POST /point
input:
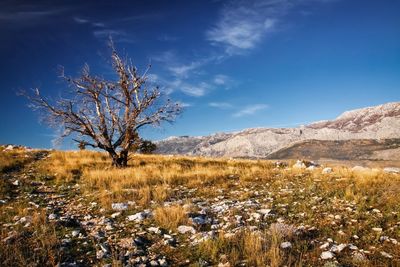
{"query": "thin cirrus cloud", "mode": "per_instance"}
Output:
(220, 105)
(168, 86)
(250, 110)
(243, 24)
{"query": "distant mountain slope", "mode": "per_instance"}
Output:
(379, 122)
(358, 149)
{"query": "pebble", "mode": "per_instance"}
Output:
(75, 233)
(53, 216)
(183, 229)
(119, 206)
(140, 216)
(327, 170)
(326, 255)
(386, 255)
(115, 215)
(285, 245)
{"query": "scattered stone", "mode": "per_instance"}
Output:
(115, 215)
(100, 254)
(327, 170)
(324, 246)
(391, 170)
(140, 216)
(53, 216)
(338, 248)
(183, 229)
(75, 233)
(299, 165)
(377, 229)
(119, 206)
(326, 255)
(360, 169)
(155, 230)
(386, 255)
(286, 245)
(16, 183)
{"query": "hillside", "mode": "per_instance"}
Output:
(358, 149)
(73, 209)
(372, 123)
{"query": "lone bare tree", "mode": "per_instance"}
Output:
(107, 114)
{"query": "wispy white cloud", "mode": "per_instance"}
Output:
(183, 71)
(220, 79)
(194, 89)
(220, 105)
(168, 86)
(250, 110)
(119, 36)
(184, 104)
(81, 20)
(244, 23)
(21, 15)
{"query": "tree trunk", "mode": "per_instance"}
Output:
(121, 160)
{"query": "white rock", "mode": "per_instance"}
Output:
(326, 255)
(386, 255)
(299, 165)
(100, 254)
(183, 229)
(391, 170)
(75, 233)
(360, 169)
(16, 183)
(115, 215)
(324, 246)
(377, 229)
(285, 245)
(9, 147)
(53, 216)
(256, 215)
(163, 262)
(327, 170)
(338, 248)
(119, 206)
(155, 230)
(264, 211)
(140, 216)
(311, 168)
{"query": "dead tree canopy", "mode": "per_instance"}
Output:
(107, 114)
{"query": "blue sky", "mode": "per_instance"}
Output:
(233, 64)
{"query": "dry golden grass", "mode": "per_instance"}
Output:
(35, 244)
(148, 177)
(255, 248)
(10, 160)
(150, 180)
(170, 217)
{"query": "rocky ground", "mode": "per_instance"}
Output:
(277, 222)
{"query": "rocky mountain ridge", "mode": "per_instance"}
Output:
(376, 123)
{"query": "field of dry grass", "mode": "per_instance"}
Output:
(202, 211)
